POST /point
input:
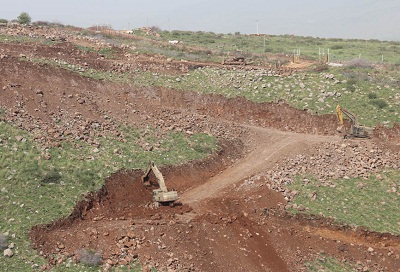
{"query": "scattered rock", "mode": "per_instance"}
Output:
(8, 253)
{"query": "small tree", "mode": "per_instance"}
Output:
(24, 18)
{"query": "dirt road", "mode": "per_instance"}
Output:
(268, 147)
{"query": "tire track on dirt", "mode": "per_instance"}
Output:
(268, 145)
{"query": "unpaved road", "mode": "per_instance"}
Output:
(268, 147)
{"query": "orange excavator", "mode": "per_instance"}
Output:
(356, 130)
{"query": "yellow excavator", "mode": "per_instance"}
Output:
(356, 130)
(160, 195)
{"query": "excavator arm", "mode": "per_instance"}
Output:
(339, 114)
(162, 194)
(158, 175)
(355, 130)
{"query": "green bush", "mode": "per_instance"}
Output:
(87, 178)
(3, 21)
(337, 47)
(379, 103)
(372, 96)
(52, 176)
(24, 18)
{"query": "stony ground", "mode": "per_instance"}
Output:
(232, 211)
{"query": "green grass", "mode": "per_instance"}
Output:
(105, 51)
(328, 264)
(340, 49)
(37, 191)
(369, 203)
(306, 90)
(25, 39)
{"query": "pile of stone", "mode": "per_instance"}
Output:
(73, 127)
(330, 161)
(49, 33)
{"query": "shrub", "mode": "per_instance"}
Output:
(89, 257)
(41, 23)
(3, 21)
(52, 176)
(337, 47)
(358, 63)
(379, 103)
(155, 29)
(321, 67)
(372, 96)
(3, 242)
(351, 84)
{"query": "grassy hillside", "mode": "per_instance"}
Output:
(36, 191)
(310, 47)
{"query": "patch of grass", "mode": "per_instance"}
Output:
(340, 49)
(52, 176)
(202, 143)
(108, 52)
(3, 241)
(379, 103)
(373, 203)
(372, 96)
(328, 264)
(85, 48)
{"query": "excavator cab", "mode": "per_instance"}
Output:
(160, 195)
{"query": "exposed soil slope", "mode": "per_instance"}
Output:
(227, 219)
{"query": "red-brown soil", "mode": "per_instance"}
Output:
(222, 222)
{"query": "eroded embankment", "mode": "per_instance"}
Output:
(124, 195)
